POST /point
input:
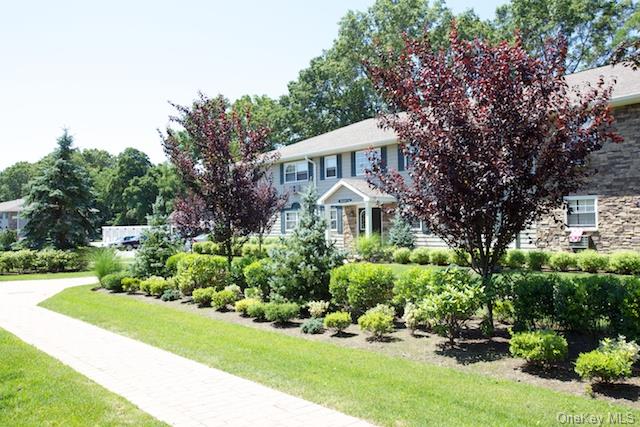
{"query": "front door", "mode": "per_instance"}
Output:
(376, 223)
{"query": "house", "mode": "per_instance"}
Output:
(605, 215)
(10, 215)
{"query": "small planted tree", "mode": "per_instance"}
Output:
(400, 233)
(495, 139)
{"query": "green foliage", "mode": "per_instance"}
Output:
(338, 321)
(562, 261)
(339, 284)
(591, 261)
(281, 313)
(207, 248)
(515, 258)
(540, 347)
(253, 293)
(130, 284)
(371, 248)
(402, 255)
(377, 322)
(537, 259)
(257, 275)
(55, 261)
(105, 261)
(203, 296)
(625, 262)
(256, 311)
(503, 311)
(400, 233)
(7, 238)
(611, 361)
(157, 246)
(172, 262)
(318, 308)
(460, 258)
(366, 285)
(170, 295)
(421, 256)
(242, 306)
(440, 257)
(414, 317)
(199, 271)
(314, 325)
(14, 180)
(113, 281)
(223, 298)
(413, 286)
(155, 285)
(533, 299)
(301, 268)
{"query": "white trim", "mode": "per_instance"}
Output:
(284, 171)
(342, 183)
(595, 208)
(286, 220)
(335, 158)
(364, 153)
(331, 210)
(620, 101)
(346, 149)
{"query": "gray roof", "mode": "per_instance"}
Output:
(12, 205)
(365, 134)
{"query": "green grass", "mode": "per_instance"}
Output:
(386, 390)
(42, 276)
(37, 390)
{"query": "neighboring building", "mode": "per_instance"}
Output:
(10, 217)
(606, 215)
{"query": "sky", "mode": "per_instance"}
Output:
(106, 70)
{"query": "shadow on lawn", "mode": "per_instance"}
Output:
(618, 391)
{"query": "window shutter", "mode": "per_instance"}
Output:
(383, 158)
(310, 167)
(339, 212)
(339, 165)
(322, 168)
(353, 163)
(282, 227)
(281, 173)
(400, 159)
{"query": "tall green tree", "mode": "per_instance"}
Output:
(60, 203)
(266, 112)
(14, 180)
(130, 164)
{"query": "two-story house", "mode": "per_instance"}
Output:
(10, 215)
(606, 213)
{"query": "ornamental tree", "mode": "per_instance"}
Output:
(223, 166)
(494, 136)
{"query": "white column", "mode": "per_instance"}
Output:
(368, 223)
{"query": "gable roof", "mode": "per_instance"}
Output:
(366, 133)
(12, 205)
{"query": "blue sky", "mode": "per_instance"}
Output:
(106, 70)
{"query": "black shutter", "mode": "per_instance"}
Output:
(383, 158)
(322, 168)
(281, 173)
(310, 167)
(339, 165)
(400, 159)
(339, 210)
(353, 163)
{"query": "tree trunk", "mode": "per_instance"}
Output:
(488, 290)
(229, 249)
(260, 243)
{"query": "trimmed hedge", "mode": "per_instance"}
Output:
(44, 261)
(199, 271)
(361, 286)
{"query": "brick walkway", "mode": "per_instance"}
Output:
(171, 388)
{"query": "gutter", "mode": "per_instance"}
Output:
(620, 101)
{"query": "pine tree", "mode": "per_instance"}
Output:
(400, 233)
(158, 244)
(60, 203)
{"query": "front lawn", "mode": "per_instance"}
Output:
(42, 276)
(386, 390)
(37, 390)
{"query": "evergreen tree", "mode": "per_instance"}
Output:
(301, 269)
(400, 233)
(60, 203)
(158, 244)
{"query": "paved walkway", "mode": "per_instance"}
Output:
(171, 388)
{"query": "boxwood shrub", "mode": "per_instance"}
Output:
(562, 261)
(203, 296)
(515, 258)
(592, 261)
(221, 299)
(113, 281)
(281, 312)
(539, 347)
(256, 311)
(440, 257)
(625, 262)
(402, 255)
(338, 321)
(243, 305)
(420, 256)
(361, 286)
(537, 259)
(611, 361)
(199, 271)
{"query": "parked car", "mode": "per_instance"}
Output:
(127, 243)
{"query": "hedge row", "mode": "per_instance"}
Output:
(45, 261)
(248, 249)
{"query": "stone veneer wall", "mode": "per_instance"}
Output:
(617, 185)
(350, 226)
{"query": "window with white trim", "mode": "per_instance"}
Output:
(333, 220)
(362, 161)
(582, 211)
(296, 171)
(330, 166)
(291, 219)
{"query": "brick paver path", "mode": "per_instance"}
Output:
(171, 388)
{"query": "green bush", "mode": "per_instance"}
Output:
(625, 262)
(243, 305)
(533, 299)
(257, 276)
(440, 257)
(7, 238)
(199, 271)
(369, 285)
(460, 258)
(172, 262)
(339, 283)
(421, 256)
(503, 311)
(130, 284)
(414, 317)
(256, 311)
(338, 321)
(157, 245)
(206, 248)
(611, 361)
(537, 259)
(223, 298)
(562, 261)
(113, 281)
(155, 285)
(318, 308)
(54, 261)
(371, 248)
(203, 296)
(314, 325)
(253, 293)
(515, 258)
(591, 261)
(413, 286)
(281, 312)
(402, 255)
(400, 233)
(376, 322)
(170, 295)
(105, 261)
(539, 347)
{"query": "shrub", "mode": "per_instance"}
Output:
(413, 286)
(256, 310)
(318, 308)
(562, 261)
(170, 295)
(54, 261)
(371, 248)
(537, 259)
(414, 317)
(460, 258)
(157, 245)
(402, 255)
(338, 321)
(611, 361)
(339, 284)
(420, 256)
(105, 261)
(369, 285)
(538, 347)
(155, 285)
(243, 305)
(235, 289)
(591, 261)
(440, 257)
(203, 296)
(172, 262)
(199, 271)
(206, 248)
(222, 299)
(515, 258)
(503, 311)
(113, 281)
(253, 293)
(377, 322)
(314, 325)
(400, 233)
(257, 276)
(7, 238)
(625, 262)
(130, 284)
(533, 299)
(281, 312)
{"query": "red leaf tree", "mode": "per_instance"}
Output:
(495, 138)
(225, 167)
(190, 215)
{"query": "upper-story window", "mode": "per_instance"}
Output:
(296, 171)
(582, 211)
(331, 166)
(362, 161)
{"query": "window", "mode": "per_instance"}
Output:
(290, 220)
(330, 166)
(363, 220)
(582, 211)
(333, 222)
(362, 161)
(296, 171)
